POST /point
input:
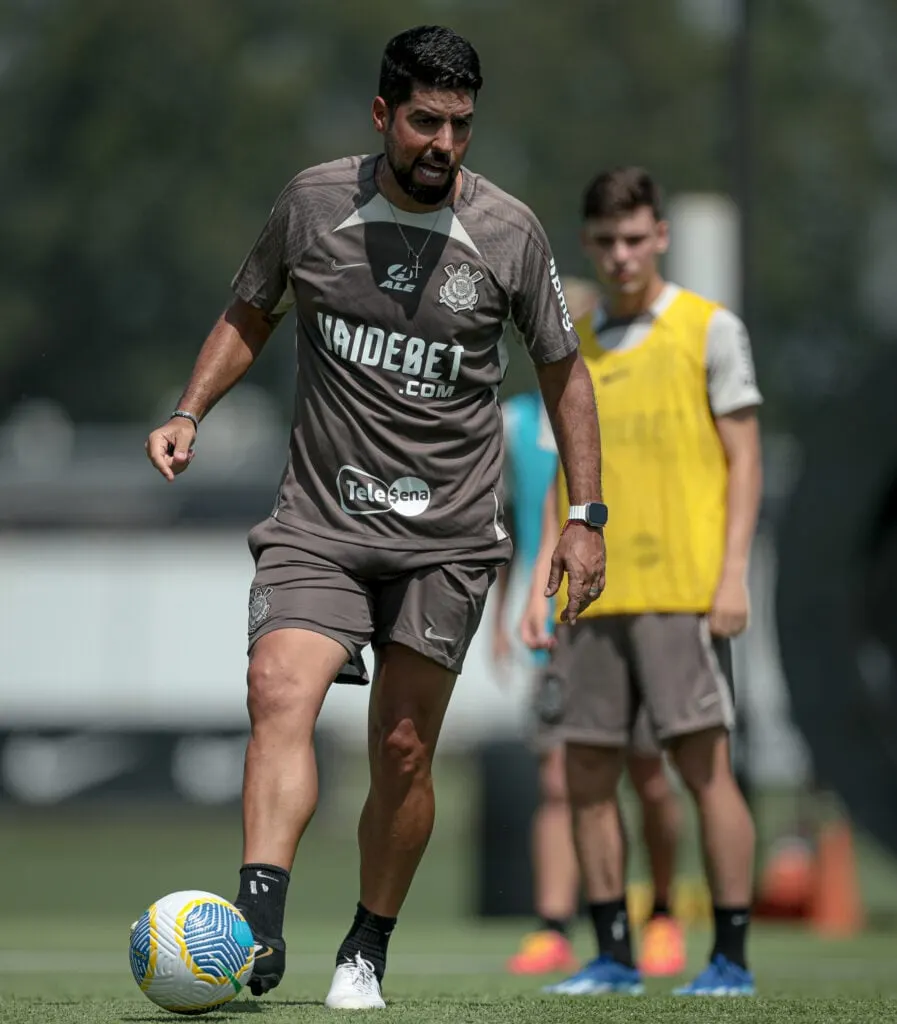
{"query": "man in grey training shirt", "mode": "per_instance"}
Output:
(403, 270)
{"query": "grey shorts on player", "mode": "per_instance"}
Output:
(360, 595)
(635, 681)
(545, 717)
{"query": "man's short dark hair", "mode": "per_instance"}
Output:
(428, 55)
(620, 191)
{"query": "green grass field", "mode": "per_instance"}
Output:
(447, 972)
(76, 879)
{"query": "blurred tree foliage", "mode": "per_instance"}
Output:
(143, 145)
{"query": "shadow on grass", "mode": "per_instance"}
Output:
(222, 1013)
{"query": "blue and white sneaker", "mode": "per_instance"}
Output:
(721, 977)
(601, 976)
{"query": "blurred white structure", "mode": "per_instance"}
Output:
(148, 631)
(704, 251)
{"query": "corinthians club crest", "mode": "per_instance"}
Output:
(259, 609)
(460, 290)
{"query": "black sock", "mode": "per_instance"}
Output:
(262, 898)
(660, 909)
(553, 924)
(611, 922)
(369, 935)
(731, 924)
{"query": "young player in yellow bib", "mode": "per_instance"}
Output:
(556, 884)
(673, 377)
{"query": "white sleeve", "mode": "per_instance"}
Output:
(546, 441)
(731, 383)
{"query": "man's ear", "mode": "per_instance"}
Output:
(380, 114)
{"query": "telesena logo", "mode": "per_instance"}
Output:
(363, 494)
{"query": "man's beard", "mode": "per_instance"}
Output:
(426, 195)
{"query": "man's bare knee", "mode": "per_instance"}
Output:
(403, 752)
(593, 773)
(288, 678)
(649, 779)
(553, 776)
(273, 688)
(702, 759)
(408, 702)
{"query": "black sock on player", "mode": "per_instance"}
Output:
(368, 936)
(262, 898)
(262, 901)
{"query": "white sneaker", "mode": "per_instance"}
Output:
(355, 987)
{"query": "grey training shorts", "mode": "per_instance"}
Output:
(546, 714)
(359, 595)
(635, 681)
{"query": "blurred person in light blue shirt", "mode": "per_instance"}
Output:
(530, 469)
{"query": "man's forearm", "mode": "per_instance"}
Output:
(742, 507)
(570, 403)
(741, 441)
(230, 349)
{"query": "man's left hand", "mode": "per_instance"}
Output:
(580, 553)
(731, 605)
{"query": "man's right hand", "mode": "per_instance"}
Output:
(533, 625)
(170, 448)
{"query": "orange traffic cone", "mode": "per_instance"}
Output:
(837, 909)
(786, 888)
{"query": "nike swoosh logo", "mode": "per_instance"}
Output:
(271, 878)
(262, 951)
(345, 266)
(430, 635)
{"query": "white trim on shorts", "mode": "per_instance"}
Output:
(723, 683)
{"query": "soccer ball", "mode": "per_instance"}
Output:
(191, 951)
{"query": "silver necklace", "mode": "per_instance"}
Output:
(412, 254)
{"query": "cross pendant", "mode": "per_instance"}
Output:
(416, 266)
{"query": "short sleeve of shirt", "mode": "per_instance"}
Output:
(263, 278)
(731, 382)
(538, 306)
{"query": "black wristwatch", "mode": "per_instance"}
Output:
(593, 513)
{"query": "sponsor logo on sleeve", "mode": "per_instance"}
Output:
(566, 321)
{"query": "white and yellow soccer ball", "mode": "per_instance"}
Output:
(191, 951)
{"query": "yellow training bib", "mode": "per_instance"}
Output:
(663, 466)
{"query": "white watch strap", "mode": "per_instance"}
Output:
(577, 512)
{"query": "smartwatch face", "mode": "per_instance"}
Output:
(596, 514)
